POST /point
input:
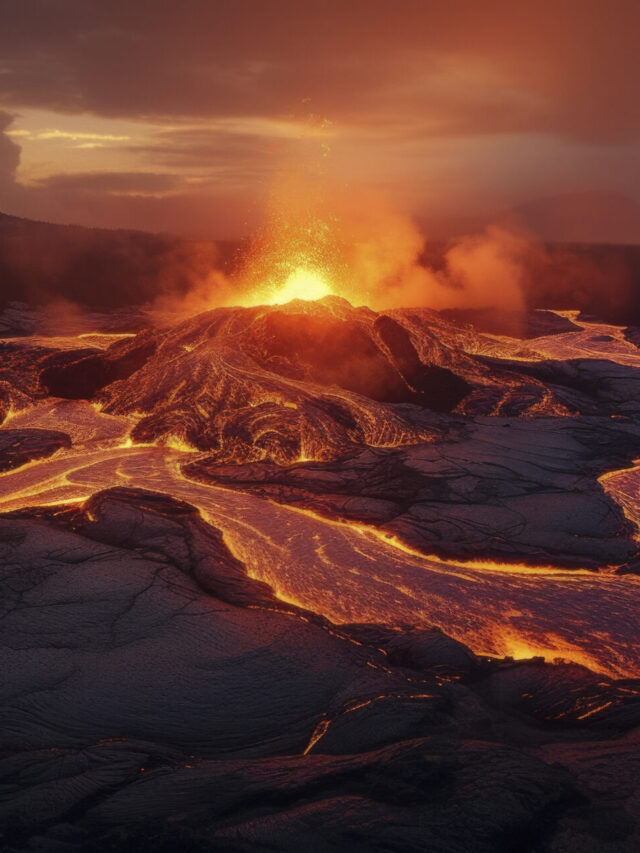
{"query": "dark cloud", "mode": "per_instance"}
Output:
(111, 182)
(237, 153)
(9, 152)
(391, 76)
(568, 66)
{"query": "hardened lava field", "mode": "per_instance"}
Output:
(276, 573)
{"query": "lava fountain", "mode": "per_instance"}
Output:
(306, 284)
(299, 253)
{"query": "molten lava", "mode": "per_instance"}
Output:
(269, 388)
(302, 283)
(299, 253)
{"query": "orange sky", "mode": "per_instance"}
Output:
(178, 115)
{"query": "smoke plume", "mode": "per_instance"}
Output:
(385, 258)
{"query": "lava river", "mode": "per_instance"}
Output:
(348, 572)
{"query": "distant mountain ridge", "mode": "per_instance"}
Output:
(99, 268)
(104, 270)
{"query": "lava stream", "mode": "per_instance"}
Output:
(594, 340)
(350, 573)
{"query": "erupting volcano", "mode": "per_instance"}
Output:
(299, 253)
(379, 528)
(320, 447)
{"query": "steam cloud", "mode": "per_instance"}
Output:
(481, 271)
(380, 258)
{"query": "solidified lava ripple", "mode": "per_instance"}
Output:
(351, 574)
(349, 571)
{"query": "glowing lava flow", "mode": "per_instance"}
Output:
(353, 573)
(348, 572)
(595, 340)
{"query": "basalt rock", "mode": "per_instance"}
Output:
(79, 376)
(632, 334)
(517, 324)
(19, 446)
(155, 696)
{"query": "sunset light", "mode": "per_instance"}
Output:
(320, 426)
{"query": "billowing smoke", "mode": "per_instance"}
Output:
(385, 259)
(370, 255)
(63, 271)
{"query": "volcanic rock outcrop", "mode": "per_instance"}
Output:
(19, 446)
(80, 375)
(632, 334)
(154, 695)
(304, 380)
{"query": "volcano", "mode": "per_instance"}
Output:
(308, 574)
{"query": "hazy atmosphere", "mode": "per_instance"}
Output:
(319, 426)
(178, 116)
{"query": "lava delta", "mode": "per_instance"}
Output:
(308, 575)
